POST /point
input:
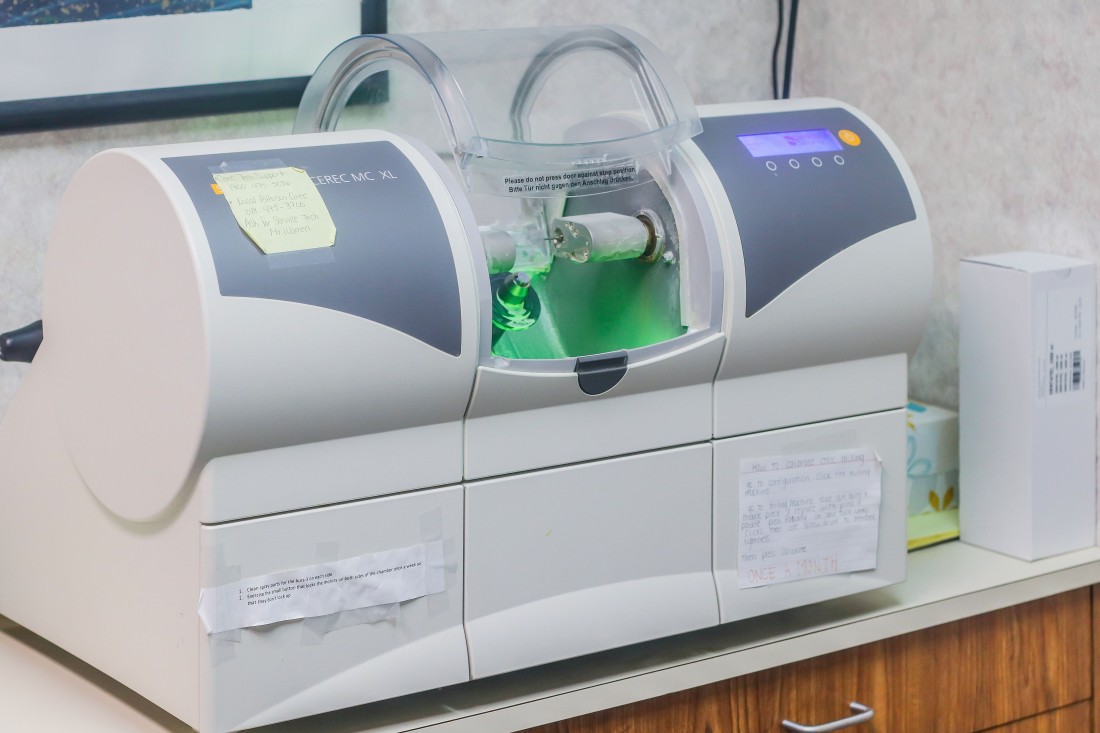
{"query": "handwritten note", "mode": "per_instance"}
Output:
(808, 515)
(279, 209)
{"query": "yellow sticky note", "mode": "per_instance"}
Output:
(280, 209)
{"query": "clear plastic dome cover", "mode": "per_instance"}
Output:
(563, 138)
(527, 112)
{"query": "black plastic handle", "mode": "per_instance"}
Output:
(22, 343)
(597, 374)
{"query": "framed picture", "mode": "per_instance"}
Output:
(70, 63)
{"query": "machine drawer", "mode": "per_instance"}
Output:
(264, 674)
(574, 560)
(882, 432)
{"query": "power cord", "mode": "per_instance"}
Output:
(792, 23)
(775, 50)
(22, 343)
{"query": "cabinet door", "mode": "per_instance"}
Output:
(993, 669)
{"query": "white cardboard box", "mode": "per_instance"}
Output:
(1027, 403)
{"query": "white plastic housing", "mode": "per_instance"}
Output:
(139, 333)
(836, 342)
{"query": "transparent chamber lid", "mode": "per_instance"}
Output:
(514, 101)
(562, 138)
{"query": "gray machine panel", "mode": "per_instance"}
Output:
(796, 210)
(392, 260)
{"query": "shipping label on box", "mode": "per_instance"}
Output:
(1060, 337)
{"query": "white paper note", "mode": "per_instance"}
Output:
(808, 515)
(376, 579)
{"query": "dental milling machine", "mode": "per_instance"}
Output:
(329, 418)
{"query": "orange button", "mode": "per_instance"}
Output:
(217, 188)
(849, 137)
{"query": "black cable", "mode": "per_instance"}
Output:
(22, 343)
(775, 51)
(790, 50)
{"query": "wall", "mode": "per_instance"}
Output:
(992, 102)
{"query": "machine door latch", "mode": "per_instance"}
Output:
(597, 374)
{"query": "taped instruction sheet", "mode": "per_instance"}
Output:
(375, 579)
(807, 515)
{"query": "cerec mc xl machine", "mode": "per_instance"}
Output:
(325, 419)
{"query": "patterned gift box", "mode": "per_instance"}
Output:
(933, 450)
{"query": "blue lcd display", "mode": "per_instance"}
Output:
(789, 143)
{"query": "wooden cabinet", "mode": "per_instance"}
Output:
(814, 691)
(1027, 668)
(1073, 719)
(993, 669)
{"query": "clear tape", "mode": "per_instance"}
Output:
(431, 530)
(223, 646)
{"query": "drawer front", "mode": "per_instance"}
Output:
(570, 561)
(279, 671)
(882, 432)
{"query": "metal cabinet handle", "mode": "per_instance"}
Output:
(862, 715)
